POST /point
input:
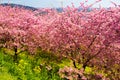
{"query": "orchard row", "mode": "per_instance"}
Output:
(89, 38)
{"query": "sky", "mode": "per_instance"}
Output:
(59, 3)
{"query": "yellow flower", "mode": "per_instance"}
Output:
(37, 69)
(21, 61)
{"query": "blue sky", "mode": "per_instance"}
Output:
(58, 3)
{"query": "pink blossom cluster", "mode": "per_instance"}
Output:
(71, 33)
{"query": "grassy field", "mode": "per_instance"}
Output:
(27, 67)
(46, 66)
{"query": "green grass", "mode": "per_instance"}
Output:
(27, 67)
(42, 66)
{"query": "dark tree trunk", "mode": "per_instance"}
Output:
(15, 56)
(74, 64)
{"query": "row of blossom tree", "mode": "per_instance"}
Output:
(88, 38)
